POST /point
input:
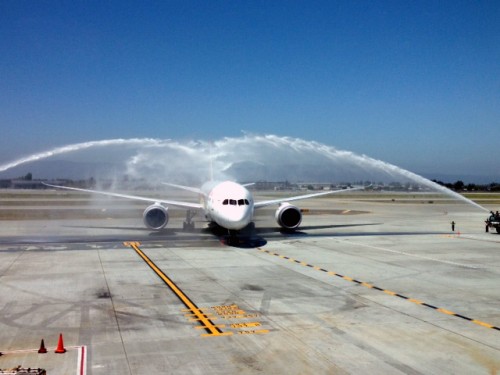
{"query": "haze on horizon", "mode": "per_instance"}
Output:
(249, 158)
(414, 84)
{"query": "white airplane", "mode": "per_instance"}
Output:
(227, 203)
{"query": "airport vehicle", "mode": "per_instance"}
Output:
(493, 222)
(228, 204)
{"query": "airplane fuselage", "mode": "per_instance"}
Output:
(227, 203)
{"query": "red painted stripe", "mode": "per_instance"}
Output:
(82, 361)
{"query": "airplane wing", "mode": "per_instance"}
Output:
(188, 188)
(299, 197)
(134, 197)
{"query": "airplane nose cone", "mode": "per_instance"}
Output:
(239, 218)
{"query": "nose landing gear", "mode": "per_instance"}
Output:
(188, 224)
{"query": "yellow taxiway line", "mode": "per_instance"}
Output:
(196, 313)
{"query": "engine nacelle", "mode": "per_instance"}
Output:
(288, 216)
(155, 216)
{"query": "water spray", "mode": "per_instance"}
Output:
(248, 158)
(77, 147)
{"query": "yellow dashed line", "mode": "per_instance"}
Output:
(444, 311)
(415, 301)
(367, 285)
(482, 323)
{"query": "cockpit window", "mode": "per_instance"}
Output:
(234, 202)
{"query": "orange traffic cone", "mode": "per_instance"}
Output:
(42, 349)
(60, 345)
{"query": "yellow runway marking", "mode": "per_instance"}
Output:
(415, 301)
(245, 325)
(207, 324)
(253, 332)
(483, 324)
(368, 285)
(444, 311)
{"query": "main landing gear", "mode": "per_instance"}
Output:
(231, 239)
(188, 224)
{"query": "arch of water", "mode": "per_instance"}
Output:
(245, 158)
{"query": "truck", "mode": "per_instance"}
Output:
(493, 221)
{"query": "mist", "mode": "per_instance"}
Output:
(245, 158)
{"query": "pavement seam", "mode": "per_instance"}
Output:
(114, 311)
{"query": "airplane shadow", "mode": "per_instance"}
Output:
(251, 236)
(302, 229)
(277, 234)
(245, 238)
(161, 232)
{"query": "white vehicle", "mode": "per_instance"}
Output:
(228, 204)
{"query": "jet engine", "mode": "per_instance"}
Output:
(288, 216)
(155, 216)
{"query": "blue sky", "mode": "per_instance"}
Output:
(413, 83)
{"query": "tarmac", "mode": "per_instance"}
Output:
(367, 285)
